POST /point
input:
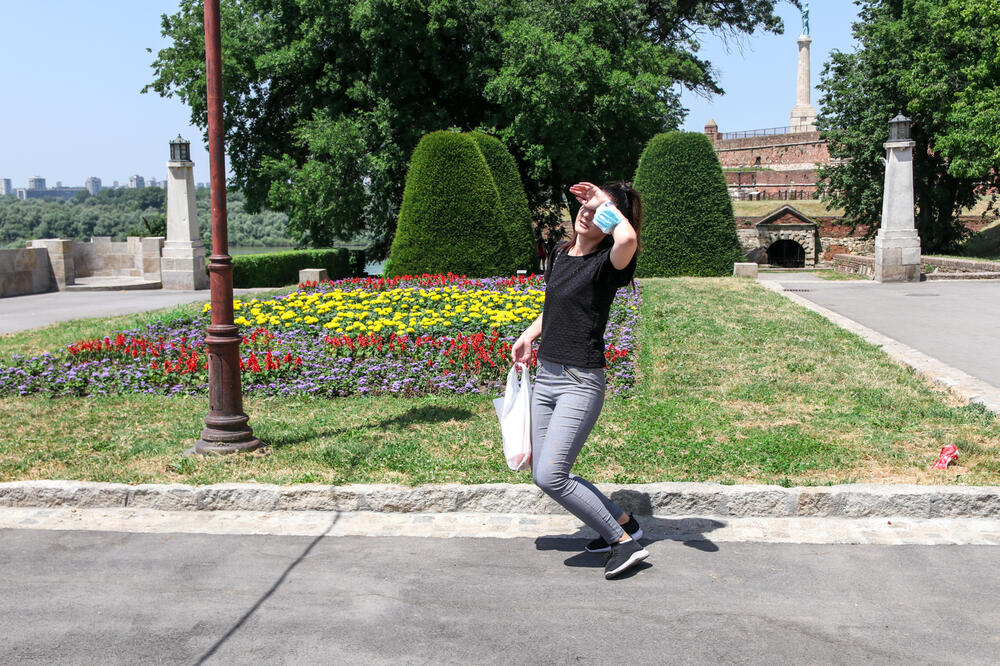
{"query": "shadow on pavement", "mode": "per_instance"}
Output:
(690, 532)
(267, 595)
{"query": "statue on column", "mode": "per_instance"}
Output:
(805, 18)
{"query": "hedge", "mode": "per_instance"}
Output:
(688, 226)
(514, 211)
(450, 219)
(277, 269)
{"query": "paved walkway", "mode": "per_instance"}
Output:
(20, 313)
(119, 598)
(895, 531)
(955, 322)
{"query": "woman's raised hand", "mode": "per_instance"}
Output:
(589, 195)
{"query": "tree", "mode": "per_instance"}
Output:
(450, 220)
(688, 226)
(936, 62)
(957, 75)
(514, 214)
(325, 101)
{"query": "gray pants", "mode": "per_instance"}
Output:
(565, 404)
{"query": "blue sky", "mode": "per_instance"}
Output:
(72, 73)
(758, 72)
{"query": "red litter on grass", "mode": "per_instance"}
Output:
(948, 453)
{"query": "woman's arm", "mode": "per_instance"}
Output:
(626, 241)
(625, 245)
(521, 351)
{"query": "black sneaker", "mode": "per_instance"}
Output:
(599, 545)
(624, 556)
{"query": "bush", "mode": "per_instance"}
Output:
(450, 220)
(277, 269)
(688, 226)
(514, 212)
(984, 244)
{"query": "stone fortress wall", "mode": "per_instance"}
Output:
(135, 257)
(25, 271)
(776, 163)
(50, 264)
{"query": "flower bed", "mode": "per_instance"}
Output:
(403, 336)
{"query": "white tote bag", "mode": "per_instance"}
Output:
(514, 412)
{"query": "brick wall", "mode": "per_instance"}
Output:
(799, 150)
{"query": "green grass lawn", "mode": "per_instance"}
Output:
(737, 384)
(837, 276)
(809, 207)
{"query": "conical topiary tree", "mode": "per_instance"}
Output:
(514, 212)
(688, 226)
(450, 218)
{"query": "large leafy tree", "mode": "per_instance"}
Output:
(935, 61)
(957, 78)
(326, 99)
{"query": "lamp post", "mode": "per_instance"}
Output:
(182, 258)
(180, 150)
(897, 244)
(226, 428)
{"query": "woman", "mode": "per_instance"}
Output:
(581, 279)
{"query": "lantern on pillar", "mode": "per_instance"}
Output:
(180, 150)
(899, 128)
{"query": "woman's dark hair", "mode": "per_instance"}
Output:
(629, 203)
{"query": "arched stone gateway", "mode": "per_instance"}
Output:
(761, 244)
(787, 254)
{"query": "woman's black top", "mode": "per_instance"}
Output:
(578, 296)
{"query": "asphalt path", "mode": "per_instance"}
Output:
(956, 322)
(21, 313)
(75, 597)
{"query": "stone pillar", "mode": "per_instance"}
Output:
(152, 251)
(897, 245)
(183, 262)
(60, 257)
(803, 117)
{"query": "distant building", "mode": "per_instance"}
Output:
(52, 194)
(115, 185)
(36, 183)
(201, 186)
(6, 187)
(136, 182)
(152, 182)
(93, 185)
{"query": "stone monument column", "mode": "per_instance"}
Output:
(897, 245)
(182, 265)
(803, 117)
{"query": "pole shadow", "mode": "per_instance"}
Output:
(267, 595)
(412, 416)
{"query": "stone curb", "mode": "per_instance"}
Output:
(663, 499)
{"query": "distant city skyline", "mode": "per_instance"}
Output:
(95, 182)
(101, 126)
